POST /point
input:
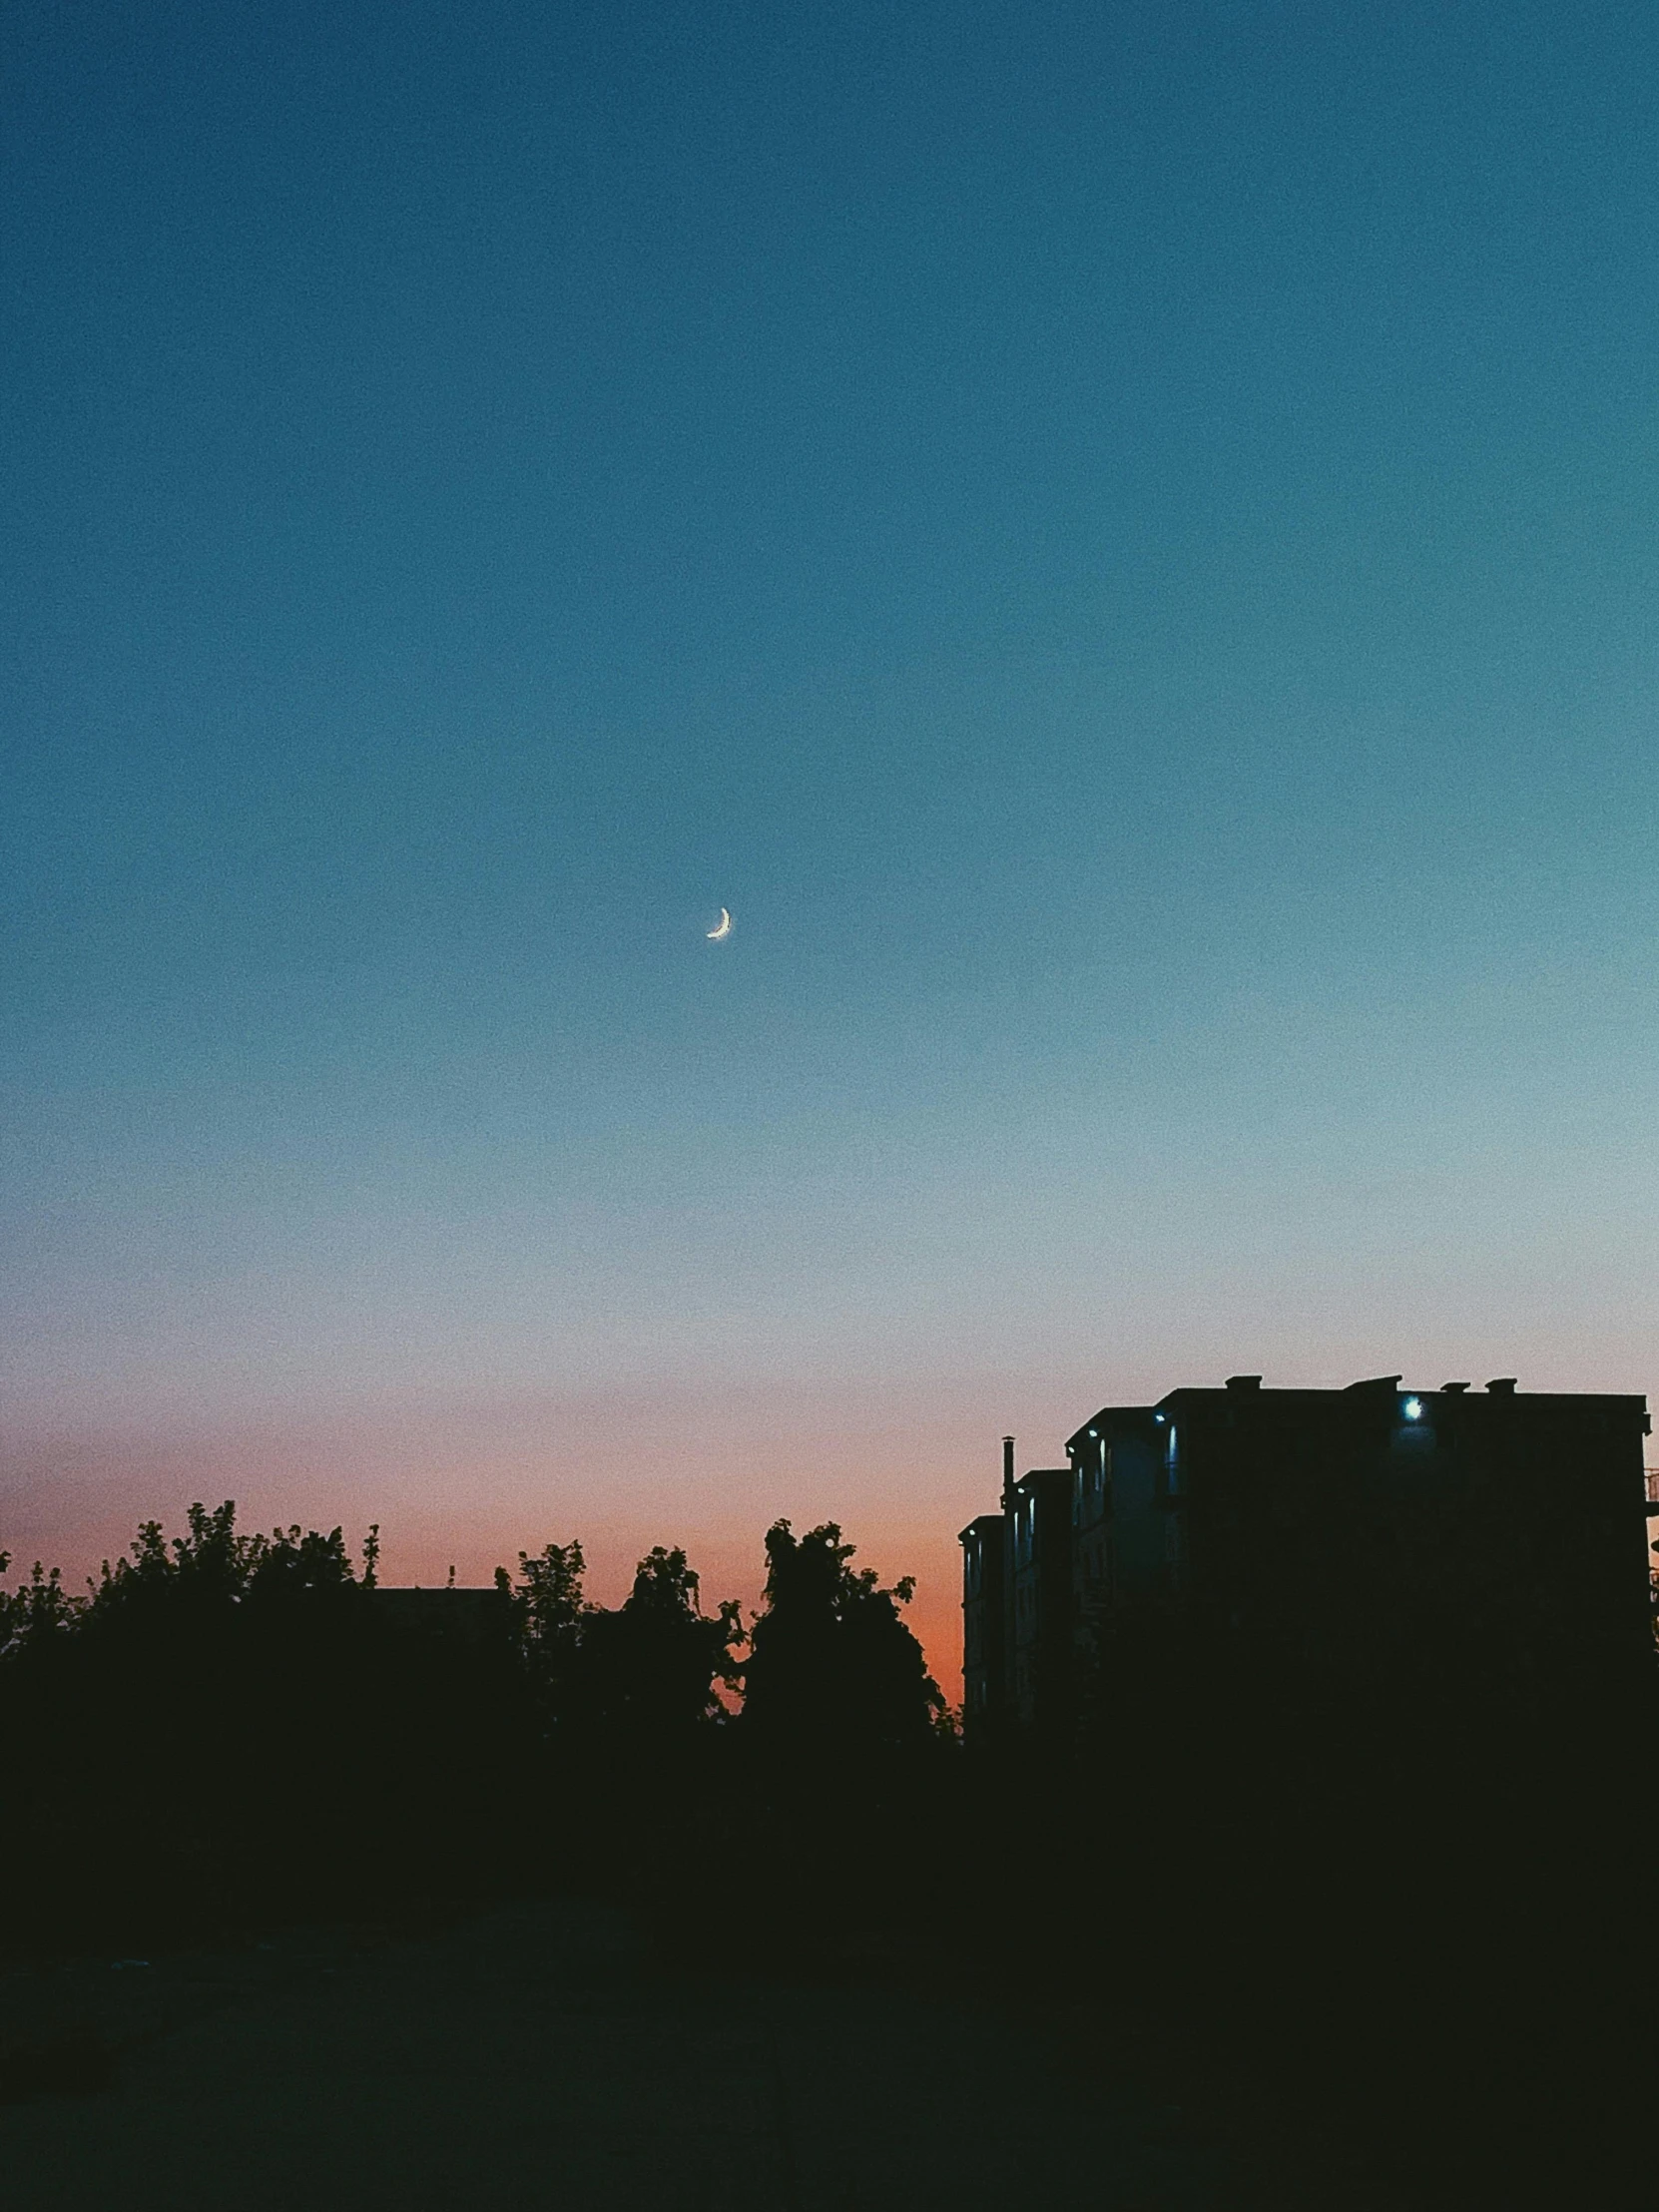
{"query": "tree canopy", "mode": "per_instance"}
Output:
(650, 1666)
(831, 1661)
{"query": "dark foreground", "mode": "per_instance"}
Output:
(538, 2057)
(1252, 1933)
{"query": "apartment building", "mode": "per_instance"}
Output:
(1401, 1528)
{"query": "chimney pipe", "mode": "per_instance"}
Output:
(1007, 1471)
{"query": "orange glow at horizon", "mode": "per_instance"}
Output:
(471, 1487)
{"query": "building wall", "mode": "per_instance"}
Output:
(1120, 1527)
(984, 1627)
(1489, 1534)
(1040, 1579)
(471, 1616)
(1401, 1537)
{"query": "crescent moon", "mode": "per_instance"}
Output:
(722, 930)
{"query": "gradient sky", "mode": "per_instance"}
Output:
(1118, 540)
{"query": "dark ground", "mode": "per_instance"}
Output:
(539, 2055)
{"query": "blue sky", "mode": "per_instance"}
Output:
(1119, 542)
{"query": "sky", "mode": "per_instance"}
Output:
(1118, 541)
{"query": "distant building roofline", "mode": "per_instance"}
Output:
(1502, 1387)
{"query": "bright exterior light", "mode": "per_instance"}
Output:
(1160, 1416)
(1094, 1431)
(1414, 1408)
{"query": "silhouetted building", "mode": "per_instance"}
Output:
(984, 1624)
(1040, 1570)
(988, 1613)
(1018, 1606)
(1421, 1534)
(469, 1616)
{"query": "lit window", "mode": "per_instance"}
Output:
(1414, 1408)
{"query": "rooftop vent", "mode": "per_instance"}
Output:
(1503, 1385)
(1244, 1382)
(1452, 1389)
(1378, 1383)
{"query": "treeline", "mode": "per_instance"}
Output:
(230, 1728)
(826, 1664)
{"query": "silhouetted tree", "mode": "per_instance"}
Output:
(833, 1664)
(35, 1616)
(652, 1665)
(228, 1717)
(547, 1609)
(192, 1585)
